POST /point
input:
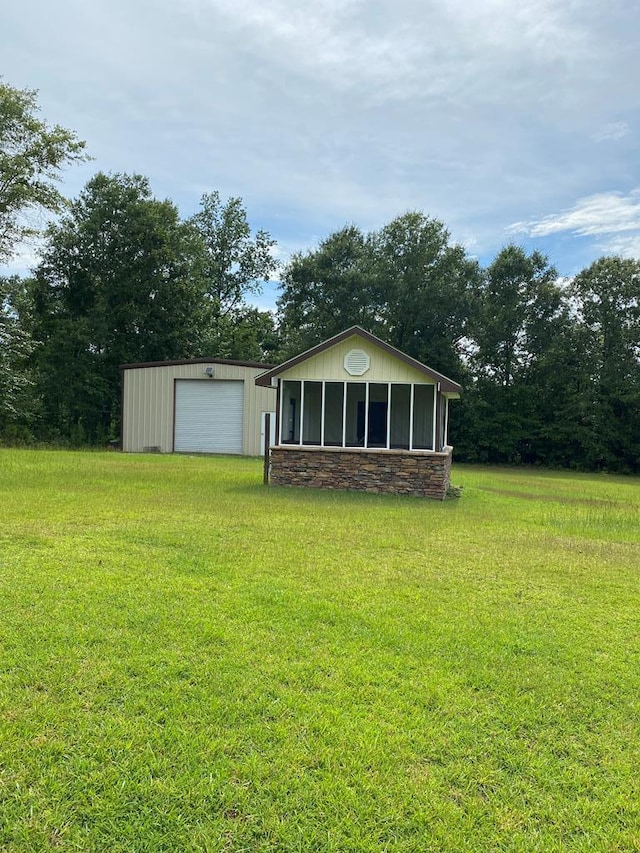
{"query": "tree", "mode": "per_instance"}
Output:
(234, 263)
(246, 334)
(556, 368)
(405, 283)
(118, 283)
(32, 155)
(519, 312)
(327, 290)
(517, 302)
(607, 298)
(17, 401)
(426, 286)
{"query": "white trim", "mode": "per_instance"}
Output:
(263, 430)
(367, 397)
(411, 416)
(436, 391)
(388, 415)
(445, 437)
(344, 415)
(281, 408)
(366, 415)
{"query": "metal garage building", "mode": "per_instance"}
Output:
(195, 406)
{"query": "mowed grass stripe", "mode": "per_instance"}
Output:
(191, 661)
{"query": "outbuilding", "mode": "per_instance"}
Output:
(356, 413)
(201, 405)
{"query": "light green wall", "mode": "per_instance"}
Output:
(329, 365)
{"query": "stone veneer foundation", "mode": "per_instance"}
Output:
(399, 472)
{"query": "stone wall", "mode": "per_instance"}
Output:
(395, 471)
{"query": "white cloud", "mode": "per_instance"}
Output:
(611, 132)
(322, 112)
(627, 247)
(603, 213)
(413, 48)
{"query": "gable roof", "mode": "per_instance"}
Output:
(446, 384)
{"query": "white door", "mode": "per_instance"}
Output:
(272, 430)
(208, 416)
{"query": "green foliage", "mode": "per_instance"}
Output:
(556, 369)
(32, 155)
(315, 673)
(117, 284)
(17, 400)
(551, 371)
(404, 283)
(327, 290)
(234, 263)
(246, 334)
(427, 287)
(519, 319)
(518, 304)
(608, 297)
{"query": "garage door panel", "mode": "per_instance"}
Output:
(209, 416)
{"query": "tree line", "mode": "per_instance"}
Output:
(550, 367)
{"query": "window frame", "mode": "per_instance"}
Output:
(365, 446)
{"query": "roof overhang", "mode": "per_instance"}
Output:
(179, 361)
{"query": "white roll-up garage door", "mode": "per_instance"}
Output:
(209, 416)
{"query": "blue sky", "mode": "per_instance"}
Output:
(509, 121)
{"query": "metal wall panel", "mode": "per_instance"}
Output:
(148, 403)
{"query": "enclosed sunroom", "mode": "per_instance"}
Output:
(356, 413)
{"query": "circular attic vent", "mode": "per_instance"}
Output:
(356, 362)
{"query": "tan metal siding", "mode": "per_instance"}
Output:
(148, 403)
(329, 365)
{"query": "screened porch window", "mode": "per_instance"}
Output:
(400, 417)
(423, 417)
(312, 413)
(377, 415)
(333, 413)
(290, 416)
(354, 427)
(382, 415)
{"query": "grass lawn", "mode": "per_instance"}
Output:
(192, 662)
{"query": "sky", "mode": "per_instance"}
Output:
(508, 120)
